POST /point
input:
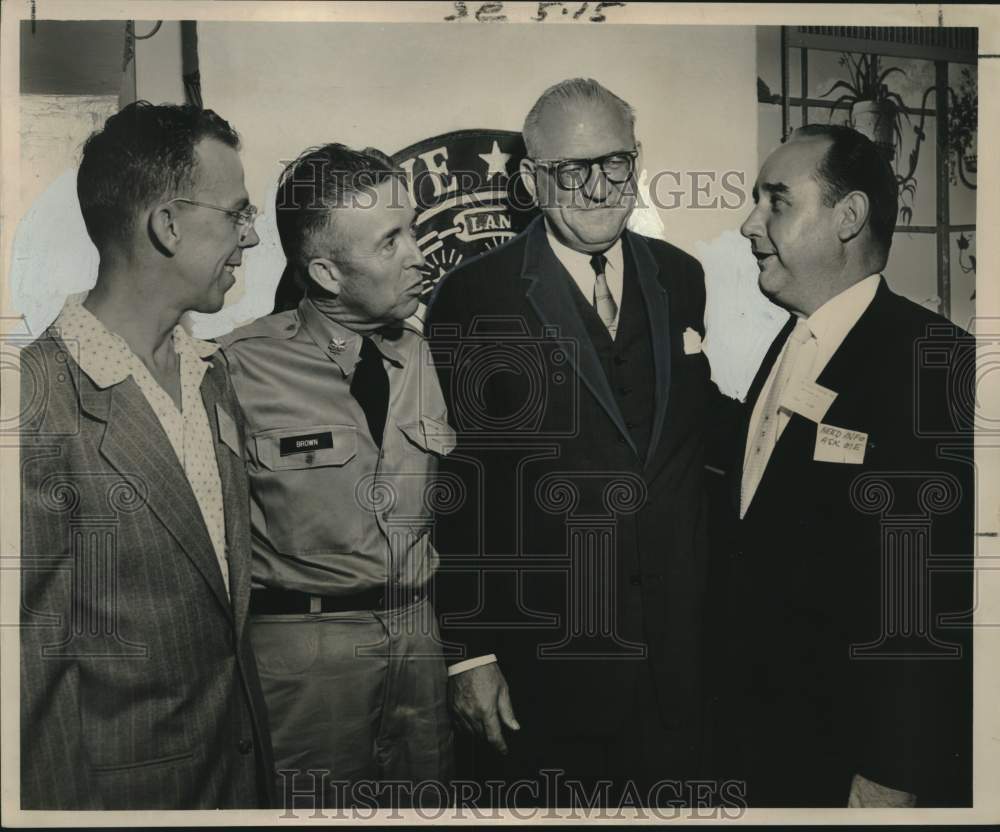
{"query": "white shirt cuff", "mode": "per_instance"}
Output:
(468, 664)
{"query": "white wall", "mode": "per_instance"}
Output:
(52, 255)
(158, 63)
(286, 86)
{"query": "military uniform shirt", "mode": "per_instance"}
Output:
(331, 512)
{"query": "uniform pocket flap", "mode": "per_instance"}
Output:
(434, 435)
(285, 449)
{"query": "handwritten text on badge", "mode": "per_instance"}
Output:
(840, 445)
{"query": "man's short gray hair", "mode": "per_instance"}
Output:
(568, 92)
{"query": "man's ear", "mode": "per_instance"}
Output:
(164, 228)
(853, 215)
(528, 178)
(325, 273)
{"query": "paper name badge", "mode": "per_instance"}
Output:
(809, 399)
(840, 445)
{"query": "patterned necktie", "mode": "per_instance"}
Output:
(370, 387)
(795, 361)
(604, 303)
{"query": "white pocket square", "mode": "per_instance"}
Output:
(692, 342)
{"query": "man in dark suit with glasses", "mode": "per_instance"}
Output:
(572, 572)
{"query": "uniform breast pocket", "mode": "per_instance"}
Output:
(305, 482)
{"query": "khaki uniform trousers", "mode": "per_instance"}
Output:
(352, 697)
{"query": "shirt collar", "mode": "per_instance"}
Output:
(576, 261)
(339, 343)
(104, 355)
(835, 318)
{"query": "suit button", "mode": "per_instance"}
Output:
(244, 746)
(619, 360)
(635, 580)
(624, 391)
(621, 440)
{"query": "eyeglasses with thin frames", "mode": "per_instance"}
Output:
(243, 217)
(573, 174)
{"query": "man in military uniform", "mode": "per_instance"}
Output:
(346, 422)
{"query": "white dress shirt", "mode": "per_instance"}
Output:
(577, 263)
(829, 325)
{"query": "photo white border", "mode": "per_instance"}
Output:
(987, 639)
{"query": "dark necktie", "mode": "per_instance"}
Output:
(370, 387)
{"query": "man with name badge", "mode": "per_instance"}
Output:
(841, 681)
(346, 424)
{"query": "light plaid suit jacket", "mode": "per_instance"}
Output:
(138, 685)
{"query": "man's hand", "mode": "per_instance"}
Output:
(866, 794)
(480, 701)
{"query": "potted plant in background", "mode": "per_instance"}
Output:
(963, 107)
(875, 110)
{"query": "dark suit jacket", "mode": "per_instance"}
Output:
(138, 685)
(830, 659)
(570, 557)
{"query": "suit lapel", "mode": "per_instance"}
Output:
(549, 294)
(135, 445)
(657, 304)
(235, 492)
(852, 363)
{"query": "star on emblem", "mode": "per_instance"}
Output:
(336, 346)
(496, 161)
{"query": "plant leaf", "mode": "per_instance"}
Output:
(850, 99)
(895, 99)
(842, 85)
(888, 72)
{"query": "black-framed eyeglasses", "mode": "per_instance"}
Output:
(243, 217)
(573, 174)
